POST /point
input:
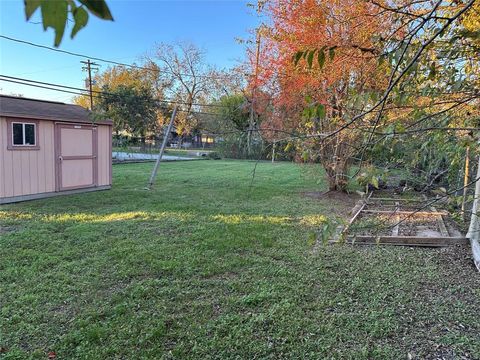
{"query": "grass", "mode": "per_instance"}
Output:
(207, 266)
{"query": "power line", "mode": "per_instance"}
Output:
(42, 87)
(80, 93)
(168, 101)
(292, 135)
(71, 53)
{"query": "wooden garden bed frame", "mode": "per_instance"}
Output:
(394, 239)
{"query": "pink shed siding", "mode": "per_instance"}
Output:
(104, 155)
(26, 172)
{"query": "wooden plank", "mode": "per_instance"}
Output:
(410, 240)
(440, 223)
(390, 244)
(397, 220)
(432, 213)
(357, 209)
(441, 226)
(394, 199)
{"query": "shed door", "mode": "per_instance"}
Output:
(76, 156)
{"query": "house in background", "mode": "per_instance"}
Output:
(50, 148)
(199, 140)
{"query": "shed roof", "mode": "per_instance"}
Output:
(19, 107)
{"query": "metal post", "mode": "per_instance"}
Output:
(160, 154)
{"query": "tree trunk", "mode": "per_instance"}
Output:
(337, 176)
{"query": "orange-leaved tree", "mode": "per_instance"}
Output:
(319, 61)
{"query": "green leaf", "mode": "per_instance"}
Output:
(98, 8)
(433, 71)
(312, 238)
(297, 57)
(54, 15)
(321, 111)
(321, 58)
(310, 58)
(288, 147)
(399, 128)
(30, 7)
(381, 59)
(374, 181)
(331, 53)
(305, 156)
(80, 15)
(326, 233)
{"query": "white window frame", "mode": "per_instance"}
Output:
(23, 133)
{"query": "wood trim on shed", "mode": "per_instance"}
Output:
(19, 198)
(52, 118)
(58, 145)
(110, 129)
(10, 146)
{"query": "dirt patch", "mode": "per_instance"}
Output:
(343, 202)
(419, 225)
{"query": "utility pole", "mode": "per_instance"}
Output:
(89, 66)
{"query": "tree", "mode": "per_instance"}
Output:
(416, 63)
(184, 70)
(233, 113)
(132, 109)
(336, 82)
(434, 105)
(139, 77)
(55, 14)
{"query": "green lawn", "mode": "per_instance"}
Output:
(207, 266)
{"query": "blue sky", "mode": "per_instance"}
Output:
(212, 25)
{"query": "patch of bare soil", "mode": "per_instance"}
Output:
(453, 228)
(342, 203)
(419, 225)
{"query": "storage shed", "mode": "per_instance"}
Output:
(51, 148)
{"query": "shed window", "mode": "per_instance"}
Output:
(23, 134)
